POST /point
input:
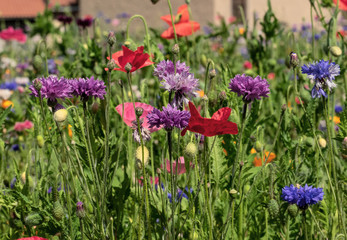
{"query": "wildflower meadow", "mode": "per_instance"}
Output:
(235, 130)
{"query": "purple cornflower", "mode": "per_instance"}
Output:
(23, 66)
(323, 73)
(64, 19)
(85, 22)
(302, 196)
(338, 109)
(53, 88)
(169, 118)
(248, 87)
(88, 87)
(182, 82)
(52, 66)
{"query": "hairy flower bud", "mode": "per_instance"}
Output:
(37, 84)
(292, 210)
(138, 111)
(273, 208)
(128, 67)
(191, 150)
(175, 49)
(294, 61)
(111, 38)
(212, 74)
(40, 141)
(258, 146)
(38, 63)
(58, 211)
(80, 212)
(111, 65)
(33, 219)
(335, 51)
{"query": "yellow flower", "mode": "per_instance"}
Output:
(253, 151)
(6, 103)
(336, 119)
(201, 93)
(241, 30)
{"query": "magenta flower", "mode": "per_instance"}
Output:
(177, 165)
(21, 126)
(13, 34)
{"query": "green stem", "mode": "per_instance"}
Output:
(210, 62)
(81, 229)
(173, 190)
(312, 30)
(172, 21)
(304, 224)
(288, 227)
(146, 29)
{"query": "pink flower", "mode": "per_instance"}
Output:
(129, 114)
(247, 65)
(115, 22)
(20, 89)
(156, 181)
(271, 76)
(181, 168)
(232, 19)
(13, 34)
(32, 238)
(21, 126)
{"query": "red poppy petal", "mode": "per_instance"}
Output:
(183, 10)
(222, 114)
(167, 19)
(342, 4)
(193, 111)
(128, 56)
(168, 33)
(187, 28)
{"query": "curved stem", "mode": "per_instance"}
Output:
(210, 62)
(146, 29)
(172, 21)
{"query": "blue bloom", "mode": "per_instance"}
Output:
(338, 109)
(13, 182)
(52, 66)
(180, 194)
(317, 36)
(303, 196)
(323, 73)
(15, 147)
(9, 85)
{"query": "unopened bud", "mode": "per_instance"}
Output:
(138, 111)
(60, 113)
(111, 65)
(222, 96)
(128, 67)
(127, 43)
(212, 74)
(40, 141)
(154, 1)
(37, 84)
(111, 38)
(335, 51)
(38, 63)
(294, 61)
(284, 107)
(293, 210)
(175, 49)
(322, 142)
(204, 60)
(80, 212)
(258, 146)
(233, 191)
(191, 150)
(273, 208)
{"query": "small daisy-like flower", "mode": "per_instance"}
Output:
(53, 88)
(169, 118)
(323, 73)
(182, 82)
(88, 87)
(248, 87)
(302, 196)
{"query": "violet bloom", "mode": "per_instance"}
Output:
(85, 22)
(64, 19)
(250, 88)
(53, 88)
(88, 87)
(323, 73)
(169, 118)
(303, 197)
(182, 83)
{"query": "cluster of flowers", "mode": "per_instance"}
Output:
(53, 88)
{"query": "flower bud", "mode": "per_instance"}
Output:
(37, 84)
(80, 212)
(138, 111)
(40, 141)
(60, 113)
(258, 146)
(33, 219)
(58, 211)
(204, 60)
(138, 154)
(273, 208)
(322, 142)
(111, 38)
(128, 67)
(222, 96)
(294, 61)
(191, 150)
(154, 1)
(335, 51)
(212, 74)
(232, 191)
(111, 65)
(246, 188)
(38, 63)
(175, 49)
(292, 210)
(284, 107)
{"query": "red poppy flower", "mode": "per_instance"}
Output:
(13, 34)
(342, 4)
(183, 26)
(137, 59)
(33, 238)
(209, 127)
(247, 65)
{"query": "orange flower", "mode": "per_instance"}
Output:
(6, 103)
(241, 30)
(258, 163)
(253, 151)
(201, 93)
(70, 130)
(183, 26)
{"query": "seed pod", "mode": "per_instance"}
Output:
(292, 210)
(33, 219)
(322, 142)
(191, 150)
(58, 211)
(38, 63)
(335, 51)
(40, 141)
(273, 208)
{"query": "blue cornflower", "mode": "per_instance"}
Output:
(13, 182)
(338, 109)
(9, 85)
(180, 194)
(323, 73)
(302, 196)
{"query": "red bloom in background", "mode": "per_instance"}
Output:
(247, 65)
(209, 127)
(33, 238)
(342, 4)
(183, 26)
(129, 114)
(179, 165)
(13, 34)
(137, 59)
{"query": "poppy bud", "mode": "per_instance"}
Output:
(127, 43)
(204, 60)
(292, 210)
(60, 113)
(58, 211)
(37, 84)
(191, 150)
(111, 38)
(111, 65)
(273, 208)
(128, 67)
(258, 146)
(80, 212)
(322, 142)
(33, 219)
(335, 51)
(138, 154)
(233, 191)
(246, 188)
(212, 74)
(40, 141)
(138, 111)
(175, 49)
(294, 61)
(38, 63)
